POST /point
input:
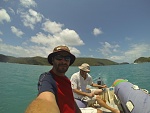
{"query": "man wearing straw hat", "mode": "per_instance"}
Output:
(79, 82)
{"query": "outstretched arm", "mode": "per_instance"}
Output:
(44, 103)
(83, 93)
(98, 86)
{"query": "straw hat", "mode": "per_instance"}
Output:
(60, 49)
(85, 67)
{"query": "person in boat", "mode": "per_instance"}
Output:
(54, 88)
(79, 82)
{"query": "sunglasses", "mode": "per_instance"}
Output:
(60, 57)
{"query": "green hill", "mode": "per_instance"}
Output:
(43, 61)
(142, 60)
(94, 62)
(24, 60)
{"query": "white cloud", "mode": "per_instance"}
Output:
(97, 31)
(134, 52)
(16, 31)
(138, 50)
(128, 38)
(1, 40)
(11, 10)
(56, 36)
(4, 16)
(74, 51)
(28, 3)
(108, 49)
(118, 58)
(42, 39)
(30, 18)
(30, 51)
(52, 27)
(19, 51)
(1, 33)
(67, 37)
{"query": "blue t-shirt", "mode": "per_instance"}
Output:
(60, 86)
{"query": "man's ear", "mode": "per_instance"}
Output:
(52, 60)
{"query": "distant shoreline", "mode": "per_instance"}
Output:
(43, 61)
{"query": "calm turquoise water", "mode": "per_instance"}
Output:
(18, 83)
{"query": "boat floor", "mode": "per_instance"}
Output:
(111, 100)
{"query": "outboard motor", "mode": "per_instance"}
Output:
(100, 81)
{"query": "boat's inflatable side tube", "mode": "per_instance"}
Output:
(132, 98)
(118, 81)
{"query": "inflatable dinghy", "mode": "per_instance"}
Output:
(131, 97)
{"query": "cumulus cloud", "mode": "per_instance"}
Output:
(1, 40)
(1, 33)
(4, 16)
(30, 18)
(107, 49)
(52, 27)
(138, 50)
(16, 31)
(30, 51)
(28, 3)
(97, 31)
(128, 38)
(117, 58)
(66, 36)
(56, 35)
(69, 37)
(135, 51)
(43, 43)
(41, 39)
(19, 51)
(11, 10)
(75, 51)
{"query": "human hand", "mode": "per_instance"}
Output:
(90, 95)
(102, 86)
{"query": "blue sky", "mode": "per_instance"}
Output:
(108, 29)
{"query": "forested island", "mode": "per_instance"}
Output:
(142, 59)
(43, 61)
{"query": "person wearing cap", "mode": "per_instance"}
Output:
(79, 82)
(54, 88)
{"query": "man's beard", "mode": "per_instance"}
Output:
(62, 68)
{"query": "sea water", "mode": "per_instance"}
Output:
(18, 82)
